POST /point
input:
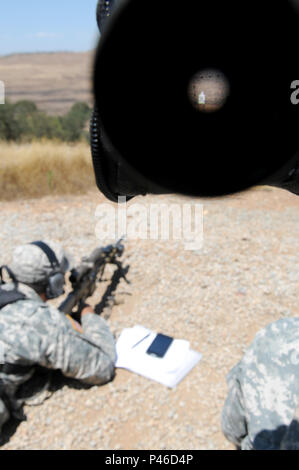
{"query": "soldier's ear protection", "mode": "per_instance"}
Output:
(147, 136)
(56, 280)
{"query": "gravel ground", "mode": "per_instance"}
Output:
(244, 277)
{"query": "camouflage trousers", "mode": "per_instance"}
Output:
(233, 421)
(235, 426)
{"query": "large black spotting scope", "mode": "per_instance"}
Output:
(199, 97)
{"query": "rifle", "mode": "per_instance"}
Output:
(89, 272)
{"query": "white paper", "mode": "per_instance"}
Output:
(169, 370)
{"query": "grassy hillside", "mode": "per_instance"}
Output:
(54, 81)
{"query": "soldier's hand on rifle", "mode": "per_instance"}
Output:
(85, 309)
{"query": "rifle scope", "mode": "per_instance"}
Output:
(199, 98)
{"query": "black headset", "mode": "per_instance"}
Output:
(55, 280)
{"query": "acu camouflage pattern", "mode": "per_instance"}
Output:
(35, 333)
(31, 265)
(262, 408)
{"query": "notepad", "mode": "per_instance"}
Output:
(169, 370)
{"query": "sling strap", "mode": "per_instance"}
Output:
(9, 296)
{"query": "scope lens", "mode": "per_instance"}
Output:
(208, 90)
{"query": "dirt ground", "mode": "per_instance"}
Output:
(244, 277)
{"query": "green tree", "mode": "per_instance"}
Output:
(47, 127)
(9, 126)
(75, 121)
(25, 114)
(23, 121)
(25, 108)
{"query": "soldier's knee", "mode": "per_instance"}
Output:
(233, 422)
(105, 373)
(110, 372)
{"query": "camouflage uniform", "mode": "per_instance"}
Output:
(262, 408)
(33, 333)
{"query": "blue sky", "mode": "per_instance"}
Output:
(47, 25)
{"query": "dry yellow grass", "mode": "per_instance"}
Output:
(41, 168)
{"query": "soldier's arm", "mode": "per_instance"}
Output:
(96, 329)
(88, 356)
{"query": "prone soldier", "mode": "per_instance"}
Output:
(33, 333)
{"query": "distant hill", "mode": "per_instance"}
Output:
(54, 81)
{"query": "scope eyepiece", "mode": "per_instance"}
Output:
(200, 99)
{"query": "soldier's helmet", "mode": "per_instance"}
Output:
(32, 264)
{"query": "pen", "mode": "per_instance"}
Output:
(140, 341)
